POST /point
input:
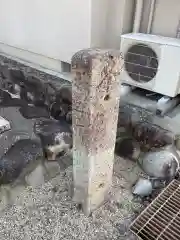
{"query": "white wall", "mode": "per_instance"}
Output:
(50, 31)
(58, 28)
(166, 17)
(54, 28)
(99, 12)
(119, 21)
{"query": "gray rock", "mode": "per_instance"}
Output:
(143, 188)
(127, 147)
(10, 138)
(151, 136)
(21, 159)
(161, 163)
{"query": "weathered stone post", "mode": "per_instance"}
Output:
(95, 96)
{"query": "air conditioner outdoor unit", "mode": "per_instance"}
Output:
(151, 62)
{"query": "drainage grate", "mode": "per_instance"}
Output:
(161, 219)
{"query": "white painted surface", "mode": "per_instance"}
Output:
(119, 21)
(46, 32)
(57, 29)
(138, 15)
(166, 17)
(167, 80)
(99, 12)
(52, 28)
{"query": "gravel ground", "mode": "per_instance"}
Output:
(47, 212)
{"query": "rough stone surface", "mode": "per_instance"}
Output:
(95, 112)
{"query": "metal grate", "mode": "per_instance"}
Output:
(141, 63)
(161, 219)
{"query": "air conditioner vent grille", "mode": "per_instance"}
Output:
(141, 63)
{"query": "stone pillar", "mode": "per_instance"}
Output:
(95, 97)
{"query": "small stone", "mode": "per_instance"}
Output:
(122, 229)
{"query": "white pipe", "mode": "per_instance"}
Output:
(137, 17)
(151, 15)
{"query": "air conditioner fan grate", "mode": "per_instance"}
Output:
(141, 63)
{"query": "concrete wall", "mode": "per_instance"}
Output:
(166, 17)
(47, 33)
(119, 21)
(98, 22)
(56, 29)
(51, 28)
